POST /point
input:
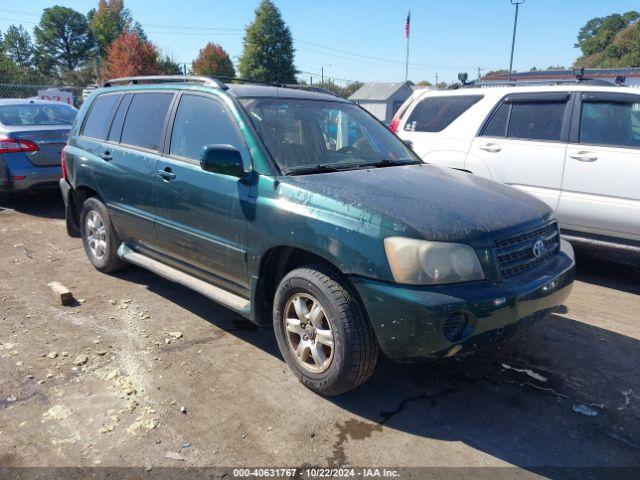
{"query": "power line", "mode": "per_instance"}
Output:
(195, 30)
(379, 59)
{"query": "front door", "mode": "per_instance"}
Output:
(523, 144)
(200, 216)
(601, 188)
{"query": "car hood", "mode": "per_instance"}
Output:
(436, 203)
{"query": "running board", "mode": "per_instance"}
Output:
(229, 300)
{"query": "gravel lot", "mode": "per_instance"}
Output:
(103, 382)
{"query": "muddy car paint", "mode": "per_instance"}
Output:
(343, 218)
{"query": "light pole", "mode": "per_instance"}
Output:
(517, 3)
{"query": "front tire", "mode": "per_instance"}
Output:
(322, 332)
(99, 238)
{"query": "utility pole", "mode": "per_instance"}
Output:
(436, 80)
(322, 75)
(479, 72)
(517, 3)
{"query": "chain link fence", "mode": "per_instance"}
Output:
(61, 93)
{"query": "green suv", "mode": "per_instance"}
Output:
(298, 208)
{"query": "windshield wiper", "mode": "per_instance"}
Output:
(387, 162)
(321, 168)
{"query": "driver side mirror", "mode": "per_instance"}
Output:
(222, 159)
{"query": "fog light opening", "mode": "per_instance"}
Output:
(454, 327)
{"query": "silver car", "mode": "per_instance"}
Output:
(32, 135)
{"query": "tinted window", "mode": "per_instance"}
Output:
(118, 119)
(145, 119)
(434, 114)
(99, 118)
(536, 120)
(201, 121)
(33, 114)
(497, 124)
(608, 123)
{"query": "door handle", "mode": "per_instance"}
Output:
(490, 147)
(166, 174)
(106, 156)
(584, 156)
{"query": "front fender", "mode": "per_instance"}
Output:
(347, 236)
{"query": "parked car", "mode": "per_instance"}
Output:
(32, 135)
(341, 237)
(576, 147)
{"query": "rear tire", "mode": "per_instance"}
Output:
(322, 331)
(99, 238)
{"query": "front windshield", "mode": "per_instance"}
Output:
(311, 135)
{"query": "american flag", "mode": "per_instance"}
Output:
(407, 26)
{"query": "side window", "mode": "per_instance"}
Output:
(434, 114)
(118, 119)
(609, 123)
(202, 121)
(536, 120)
(497, 124)
(145, 119)
(99, 117)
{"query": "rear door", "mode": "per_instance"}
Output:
(129, 157)
(202, 216)
(601, 188)
(523, 144)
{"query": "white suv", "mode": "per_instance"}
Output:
(577, 147)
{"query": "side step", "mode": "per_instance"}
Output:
(229, 300)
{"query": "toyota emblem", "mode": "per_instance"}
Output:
(539, 248)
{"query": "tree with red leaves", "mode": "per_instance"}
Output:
(213, 61)
(131, 55)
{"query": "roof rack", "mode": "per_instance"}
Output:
(216, 82)
(208, 81)
(295, 86)
(525, 83)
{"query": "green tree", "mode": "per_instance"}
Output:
(268, 53)
(17, 45)
(63, 38)
(597, 40)
(213, 61)
(110, 20)
(166, 64)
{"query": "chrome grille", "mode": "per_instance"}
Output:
(516, 254)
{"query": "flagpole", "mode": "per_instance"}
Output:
(408, 31)
(406, 67)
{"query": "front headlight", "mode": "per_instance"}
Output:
(420, 262)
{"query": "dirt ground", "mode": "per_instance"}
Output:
(140, 367)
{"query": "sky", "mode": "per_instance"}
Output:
(364, 40)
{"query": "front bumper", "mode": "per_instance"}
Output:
(410, 322)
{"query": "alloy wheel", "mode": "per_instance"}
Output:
(96, 235)
(309, 333)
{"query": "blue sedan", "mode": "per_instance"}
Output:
(32, 135)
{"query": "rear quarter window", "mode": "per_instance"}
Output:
(99, 117)
(434, 114)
